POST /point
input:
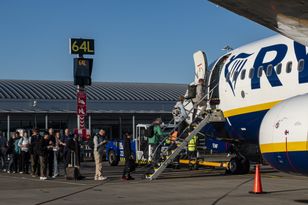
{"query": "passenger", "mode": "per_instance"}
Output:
(73, 145)
(56, 149)
(192, 151)
(43, 153)
(99, 141)
(172, 146)
(172, 140)
(50, 158)
(64, 140)
(129, 160)
(154, 141)
(200, 99)
(11, 154)
(3, 149)
(180, 114)
(34, 152)
(24, 144)
(17, 155)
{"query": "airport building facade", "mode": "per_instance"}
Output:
(116, 107)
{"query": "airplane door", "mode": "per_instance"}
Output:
(213, 83)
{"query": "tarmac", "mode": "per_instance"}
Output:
(175, 186)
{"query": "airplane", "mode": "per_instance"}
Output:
(261, 88)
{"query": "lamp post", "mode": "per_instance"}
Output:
(34, 105)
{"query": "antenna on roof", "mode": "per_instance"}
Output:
(227, 48)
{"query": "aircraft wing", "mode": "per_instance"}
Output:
(289, 18)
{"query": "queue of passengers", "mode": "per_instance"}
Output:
(37, 155)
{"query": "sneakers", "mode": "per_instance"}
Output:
(101, 178)
(130, 178)
(127, 178)
(54, 176)
(43, 178)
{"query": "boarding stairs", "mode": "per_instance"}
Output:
(201, 120)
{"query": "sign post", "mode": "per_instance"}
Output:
(82, 76)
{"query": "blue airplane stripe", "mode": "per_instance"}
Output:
(235, 65)
(239, 70)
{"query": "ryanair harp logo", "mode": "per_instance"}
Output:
(234, 68)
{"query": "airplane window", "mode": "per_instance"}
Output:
(260, 69)
(278, 68)
(243, 74)
(269, 70)
(289, 67)
(301, 65)
(251, 73)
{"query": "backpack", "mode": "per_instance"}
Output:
(17, 148)
(150, 131)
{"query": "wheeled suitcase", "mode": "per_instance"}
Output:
(72, 170)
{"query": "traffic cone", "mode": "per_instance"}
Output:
(257, 188)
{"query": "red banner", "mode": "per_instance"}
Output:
(81, 108)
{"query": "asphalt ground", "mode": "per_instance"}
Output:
(180, 186)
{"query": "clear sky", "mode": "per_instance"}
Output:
(135, 40)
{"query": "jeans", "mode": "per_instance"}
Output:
(43, 163)
(2, 157)
(25, 161)
(50, 162)
(35, 164)
(55, 163)
(10, 166)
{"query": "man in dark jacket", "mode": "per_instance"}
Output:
(64, 139)
(73, 145)
(43, 153)
(50, 157)
(34, 152)
(10, 153)
(3, 149)
(129, 163)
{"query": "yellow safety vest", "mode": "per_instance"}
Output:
(192, 144)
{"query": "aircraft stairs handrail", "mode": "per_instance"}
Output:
(210, 116)
(195, 106)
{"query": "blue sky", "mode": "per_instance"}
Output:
(135, 40)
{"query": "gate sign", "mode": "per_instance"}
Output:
(82, 46)
(81, 103)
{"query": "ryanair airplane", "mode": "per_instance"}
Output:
(262, 89)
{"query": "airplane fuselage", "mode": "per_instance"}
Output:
(254, 78)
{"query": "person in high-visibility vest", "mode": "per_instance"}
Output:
(192, 150)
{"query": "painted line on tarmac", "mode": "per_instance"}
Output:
(229, 192)
(73, 193)
(48, 181)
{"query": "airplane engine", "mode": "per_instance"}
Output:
(283, 135)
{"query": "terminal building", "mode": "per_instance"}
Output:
(113, 106)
